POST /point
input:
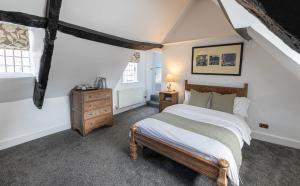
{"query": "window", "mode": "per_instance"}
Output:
(130, 73)
(14, 61)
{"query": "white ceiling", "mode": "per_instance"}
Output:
(143, 20)
(157, 21)
(35, 7)
(203, 19)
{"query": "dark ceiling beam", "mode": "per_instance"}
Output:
(51, 24)
(78, 31)
(253, 7)
(93, 35)
(23, 19)
(53, 10)
(244, 33)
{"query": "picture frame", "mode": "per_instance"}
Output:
(223, 59)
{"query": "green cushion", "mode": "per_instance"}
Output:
(222, 103)
(199, 99)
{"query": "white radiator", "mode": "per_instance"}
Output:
(131, 96)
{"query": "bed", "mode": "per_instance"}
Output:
(198, 152)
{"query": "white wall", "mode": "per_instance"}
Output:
(142, 84)
(76, 61)
(149, 59)
(21, 121)
(274, 92)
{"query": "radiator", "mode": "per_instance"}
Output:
(131, 96)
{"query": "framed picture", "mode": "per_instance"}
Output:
(223, 59)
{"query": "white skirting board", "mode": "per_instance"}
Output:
(35, 135)
(21, 121)
(276, 139)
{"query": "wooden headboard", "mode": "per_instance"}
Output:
(240, 92)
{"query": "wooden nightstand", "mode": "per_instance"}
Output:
(167, 99)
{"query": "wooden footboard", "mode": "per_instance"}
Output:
(214, 171)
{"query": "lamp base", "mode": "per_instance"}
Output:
(169, 87)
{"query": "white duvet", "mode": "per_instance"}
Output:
(201, 145)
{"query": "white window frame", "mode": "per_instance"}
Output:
(136, 79)
(16, 74)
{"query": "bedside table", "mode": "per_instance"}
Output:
(167, 99)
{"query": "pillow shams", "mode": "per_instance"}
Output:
(241, 105)
(187, 95)
(199, 99)
(223, 103)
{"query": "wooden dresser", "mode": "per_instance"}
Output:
(91, 109)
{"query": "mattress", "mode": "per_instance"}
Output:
(200, 145)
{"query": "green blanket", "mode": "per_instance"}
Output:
(220, 134)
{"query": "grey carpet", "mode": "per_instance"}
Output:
(101, 158)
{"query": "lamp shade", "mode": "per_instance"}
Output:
(170, 78)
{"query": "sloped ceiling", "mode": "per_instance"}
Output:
(142, 20)
(203, 19)
(280, 18)
(35, 7)
(76, 60)
(285, 13)
(240, 17)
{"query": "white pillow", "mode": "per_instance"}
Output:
(187, 96)
(241, 105)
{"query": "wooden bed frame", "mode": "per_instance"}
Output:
(214, 171)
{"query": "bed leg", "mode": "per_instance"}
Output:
(133, 145)
(222, 178)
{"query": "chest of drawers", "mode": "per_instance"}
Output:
(91, 109)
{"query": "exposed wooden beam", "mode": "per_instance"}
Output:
(78, 31)
(254, 8)
(53, 10)
(93, 35)
(244, 33)
(51, 24)
(23, 19)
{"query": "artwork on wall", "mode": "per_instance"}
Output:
(223, 59)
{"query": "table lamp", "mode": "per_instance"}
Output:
(169, 79)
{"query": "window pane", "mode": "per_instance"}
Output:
(9, 52)
(18, 61)
(2, 68)
(18, 68)
(2, 61)
(14, 61)
(9, 61)
(10, 69)
(130, 73)
(26, 62)
(25, 53)
(26, 69)
(17, 53)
